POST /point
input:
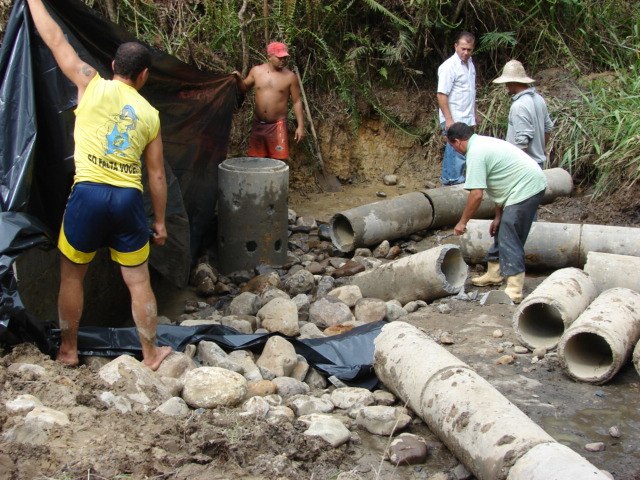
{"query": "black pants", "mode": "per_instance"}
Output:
(508, 244)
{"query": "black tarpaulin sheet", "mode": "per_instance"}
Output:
(348, 356)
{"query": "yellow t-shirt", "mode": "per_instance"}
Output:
(114, 124)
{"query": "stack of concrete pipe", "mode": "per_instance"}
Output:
(401, 216)
(555, 245)
(591, 317)
(544, 315)
(490, 435)
(434, 273)
(600, 341)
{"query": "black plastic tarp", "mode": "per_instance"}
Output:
(348, 356)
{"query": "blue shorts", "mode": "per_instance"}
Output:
(100, 215)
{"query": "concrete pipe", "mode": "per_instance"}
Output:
(385, 220)
(448, 203)
(427, 275)
(608, 270)
(478, 424)
(551, 308)
(559, 184)
(549, 245)
(556, 245)
(609, 239)
(600, 341)
(252, 213)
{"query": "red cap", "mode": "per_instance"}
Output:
(278, 49)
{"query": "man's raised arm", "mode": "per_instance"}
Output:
(74, 68)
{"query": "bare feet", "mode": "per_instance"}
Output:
(70, 359)
(160, 353)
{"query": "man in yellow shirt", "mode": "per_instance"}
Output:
(115, 127)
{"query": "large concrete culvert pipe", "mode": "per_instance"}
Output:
(397, 217)
(555, 245)
(490, 435)
(608, 270)
(601, 339)
(427, 275)
(385, 220)
(551, 308)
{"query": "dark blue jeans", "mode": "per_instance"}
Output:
(453, 164)
(508, 244)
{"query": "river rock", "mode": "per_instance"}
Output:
(280, 315)
(47, 417)
(329, 311)
(246, 324)
(368, 310)
(23, 403)
(174, 407)
(175, 365)
(278, 356)
(329, 429)
(408, 449)
(137, 382)
(210, 354)
(261, 388)
(350, 397)
(210, 387)
(382, 420)
(307, 405)
(347, 294)
(300, 282)
(287, 387)
(246, 303)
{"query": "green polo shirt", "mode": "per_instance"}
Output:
(508, 175)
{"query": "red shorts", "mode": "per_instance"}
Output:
(269, 140)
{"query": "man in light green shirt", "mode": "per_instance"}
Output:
(514, 181)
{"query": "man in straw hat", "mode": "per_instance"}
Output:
(529, 120)
(274, 83)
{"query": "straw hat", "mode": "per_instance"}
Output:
(513, 71)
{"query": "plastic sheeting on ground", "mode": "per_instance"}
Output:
(348, 356)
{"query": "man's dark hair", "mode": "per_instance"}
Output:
(459, 131)
(131, 59)
(467, 36)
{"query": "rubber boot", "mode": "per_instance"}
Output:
(492, 277)
(514, 287)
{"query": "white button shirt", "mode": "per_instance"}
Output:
(458, 82)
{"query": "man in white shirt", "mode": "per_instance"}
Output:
(529, 120)
(457, 101)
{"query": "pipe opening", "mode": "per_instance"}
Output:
(588, 355)
(342, 234)
(540, 325)
(454, 269)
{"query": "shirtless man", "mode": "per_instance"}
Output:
(274, 84)
(105, 207)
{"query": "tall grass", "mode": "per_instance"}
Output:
(600, 134)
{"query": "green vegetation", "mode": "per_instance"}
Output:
(353, 47)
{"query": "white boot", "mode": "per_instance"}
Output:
(514, 287)
(492, 277)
